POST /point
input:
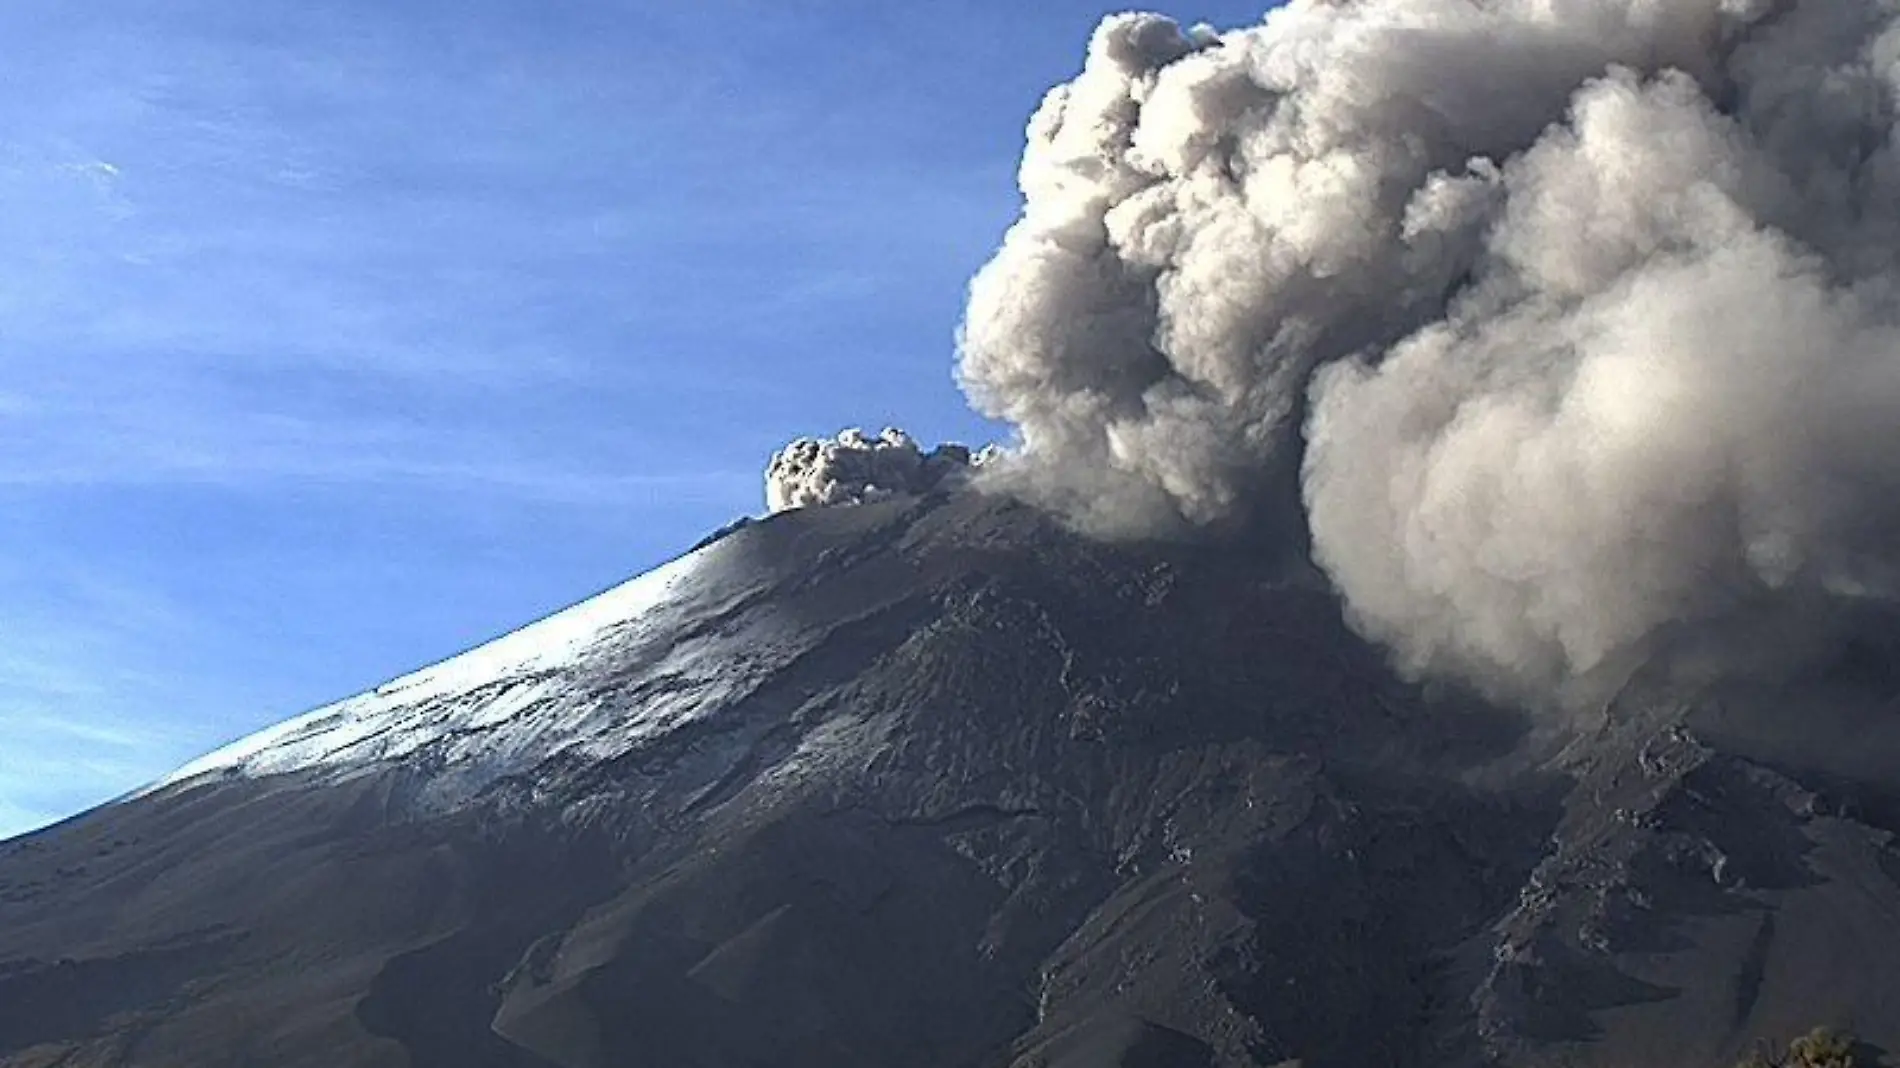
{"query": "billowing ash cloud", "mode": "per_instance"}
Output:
(1574, 317)
(853, 468)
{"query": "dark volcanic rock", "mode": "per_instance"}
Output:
(933, 783)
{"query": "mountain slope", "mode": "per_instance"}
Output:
(933, 782)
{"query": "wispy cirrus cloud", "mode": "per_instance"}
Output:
(82, 666)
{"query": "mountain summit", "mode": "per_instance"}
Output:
(934, 782)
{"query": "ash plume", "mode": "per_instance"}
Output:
(854, 468)
(1571, 320)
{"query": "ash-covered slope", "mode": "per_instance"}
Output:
(934, 783)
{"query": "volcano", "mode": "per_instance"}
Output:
(1437, 606)
(932, 781)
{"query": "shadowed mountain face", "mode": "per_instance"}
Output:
(934, 783)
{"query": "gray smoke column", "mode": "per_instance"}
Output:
(1575, 318)
(854, 468)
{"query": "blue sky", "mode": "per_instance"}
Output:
(336, 337)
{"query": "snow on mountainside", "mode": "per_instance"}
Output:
(504, 706)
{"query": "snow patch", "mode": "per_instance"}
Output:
(498, 707)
